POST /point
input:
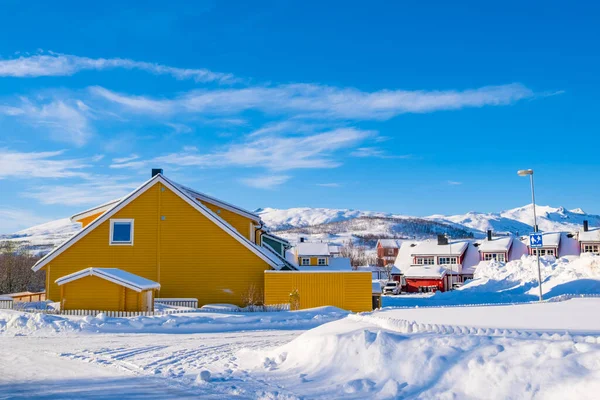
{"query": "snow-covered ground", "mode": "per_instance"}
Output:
(549, 350)
(524, 350)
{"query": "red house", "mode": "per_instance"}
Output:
(589, 239)
(495, 248)
(387, 251)
(426, 278)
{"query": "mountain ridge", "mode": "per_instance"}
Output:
(343, 224)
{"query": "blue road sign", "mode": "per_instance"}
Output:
(535, 240)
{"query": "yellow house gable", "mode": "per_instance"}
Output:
(177, 242)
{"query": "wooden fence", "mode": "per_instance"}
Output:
(183, 302)
(6, 304)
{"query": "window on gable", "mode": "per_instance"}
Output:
(121, 231)
(306, 261)
(321, 261)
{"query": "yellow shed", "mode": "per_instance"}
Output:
(106, 289)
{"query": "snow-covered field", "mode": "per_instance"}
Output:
(523, 350)
(549, 350)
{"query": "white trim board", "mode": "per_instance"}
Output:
(105, 274)
(260, 252)
(93, 211)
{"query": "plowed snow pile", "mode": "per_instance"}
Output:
(517, 281)
(20, 323)
(363, 357)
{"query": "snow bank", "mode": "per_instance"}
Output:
(516, 282)
(356, 359)
(20, 323)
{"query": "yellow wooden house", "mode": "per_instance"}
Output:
(193, 245)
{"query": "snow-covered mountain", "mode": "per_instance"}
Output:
(339, 225)
(43, 238)
(283, 219)
(520, 220)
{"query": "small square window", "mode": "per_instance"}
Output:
(321, 261)
(121, 231)
(306, 261)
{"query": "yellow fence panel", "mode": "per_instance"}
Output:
(347, 290)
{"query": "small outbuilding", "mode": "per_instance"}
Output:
(106, 289)
(426, 278)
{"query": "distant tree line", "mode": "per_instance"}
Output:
(16, 274)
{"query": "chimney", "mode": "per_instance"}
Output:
(489, 235)
(442, 240)
(156, 171)
(301, 240)
(586, 226)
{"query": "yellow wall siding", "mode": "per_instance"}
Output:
(92, 293)
(200, 260)
(132, 300)
(88, 220)
(93, 250)
(347, 290)
(314, 261)
(240, 223)
(188, 254)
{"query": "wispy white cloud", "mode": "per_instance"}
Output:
(454, 183)
(316, 101)
(87, 193)
(265, 181)
(67, 121)
(15, 164)
(121, 160)
(270, 152)
(374, 152)
(53, 64)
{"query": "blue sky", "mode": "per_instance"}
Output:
(408, 107)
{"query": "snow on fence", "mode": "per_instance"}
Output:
(6, 303)
(178, 302)
(112, 314)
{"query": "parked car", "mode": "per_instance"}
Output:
(391, 288)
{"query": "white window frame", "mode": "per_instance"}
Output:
(494, 256)
(448, 258)
(422, 261)
(305, 261)
(110, 238)
(321, 259)
(591, 248)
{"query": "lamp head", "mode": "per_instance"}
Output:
(525, 172)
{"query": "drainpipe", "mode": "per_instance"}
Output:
(262, 225)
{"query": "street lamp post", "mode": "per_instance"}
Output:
(529, 172)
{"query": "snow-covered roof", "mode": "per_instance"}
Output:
(94, 210)
(389, 243)
(425, 271)
(220, 203)
(335, 264)
(375, 268)
(549, 239)
(115, 275)
(312, 249)
(432, 248)
(592, 235)
(376, 287)
(6, 298)
(334, 248)
(496, 244)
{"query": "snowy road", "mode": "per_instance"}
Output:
(133, 366)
